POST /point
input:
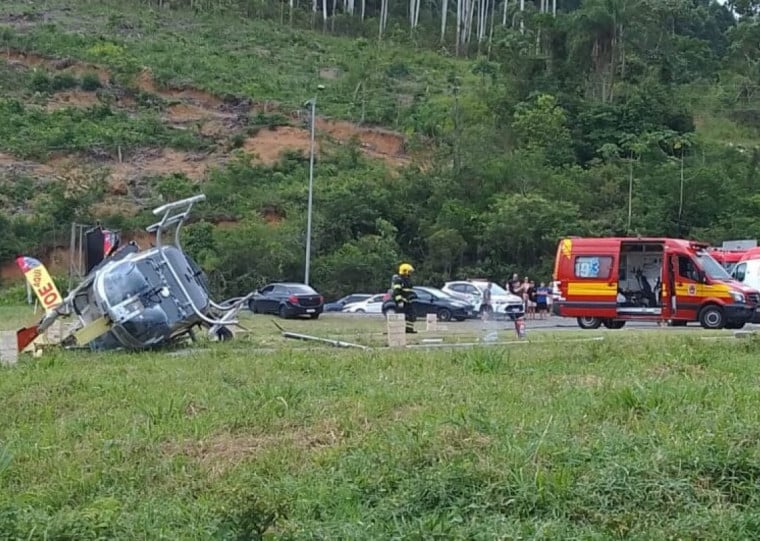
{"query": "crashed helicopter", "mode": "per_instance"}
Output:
(133, 299)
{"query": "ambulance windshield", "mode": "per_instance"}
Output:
(712, 268)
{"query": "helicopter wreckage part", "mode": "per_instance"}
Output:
(307, 337)
(88, 333)
(26, 336)
(134, 299)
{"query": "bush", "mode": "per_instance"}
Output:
(90, 82)
(40, 82)
(63, 81)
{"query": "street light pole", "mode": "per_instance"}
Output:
(311, 189)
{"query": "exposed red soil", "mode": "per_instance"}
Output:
(163, 161)
(269, 144)
(33, 60)
(187, 106)
(374, 140)
(72, 98)
(205, 99)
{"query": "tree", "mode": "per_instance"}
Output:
(541, 126)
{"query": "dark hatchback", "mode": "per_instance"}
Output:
(431, 300)
(287, 299)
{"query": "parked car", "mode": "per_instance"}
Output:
(372, 305)
(287, 299)
(337, 306)
(431, 300)
(504, 302)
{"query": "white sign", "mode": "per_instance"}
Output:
(396, 330)
(432, 323)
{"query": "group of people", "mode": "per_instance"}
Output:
(537, 299)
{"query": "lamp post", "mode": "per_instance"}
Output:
(313, 103)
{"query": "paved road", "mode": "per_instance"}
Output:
(552, 323)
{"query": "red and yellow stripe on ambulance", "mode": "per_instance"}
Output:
(703, 291)
(42, 284)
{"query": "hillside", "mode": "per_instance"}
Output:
(468, 164)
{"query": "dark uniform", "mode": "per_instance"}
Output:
(403, 294)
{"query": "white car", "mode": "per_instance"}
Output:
(471, 291)
(373, 305)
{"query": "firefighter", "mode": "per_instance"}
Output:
(403, 294)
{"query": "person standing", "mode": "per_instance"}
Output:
(403, 295)
(542, 300)
(514, 285)
(486, 307)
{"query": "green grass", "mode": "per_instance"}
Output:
(639, 436)
(228, 55)
(29, 132)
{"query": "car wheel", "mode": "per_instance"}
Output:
(360, 310)
(444, 314)
(711, 317)
(283, 312)
(588, 322)
(252, 306)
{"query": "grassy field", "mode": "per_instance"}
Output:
(648, 436)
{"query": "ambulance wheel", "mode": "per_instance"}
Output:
(613, 323)
(735, 325)
(711, 317)
(588, 322)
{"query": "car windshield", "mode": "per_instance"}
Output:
(712, 268)
(301, 290)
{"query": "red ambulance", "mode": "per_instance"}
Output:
(608, 281)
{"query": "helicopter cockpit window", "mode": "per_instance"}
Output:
(124, 281)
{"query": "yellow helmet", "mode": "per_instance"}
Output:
(405, 268)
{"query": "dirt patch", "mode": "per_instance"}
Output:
(269, 144)
(183, 112)
(162, 162)
(216, 128)
(11, 165)
(205, 99)
(374, 140)
(73, 98)
(32, 60)
(330, 73)
(224, 451)
(6, 160)
(114, 206)
(453, 439)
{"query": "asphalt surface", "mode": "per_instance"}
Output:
(552, 323)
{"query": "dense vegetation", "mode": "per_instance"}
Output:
(636, 437)
(608, 117)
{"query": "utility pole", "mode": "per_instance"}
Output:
(313, 103)
(311, 189)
